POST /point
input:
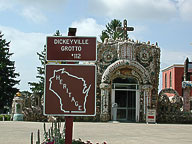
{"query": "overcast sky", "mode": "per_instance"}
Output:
(26, 23)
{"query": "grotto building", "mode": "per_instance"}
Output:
(127, 79)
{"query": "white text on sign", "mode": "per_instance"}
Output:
(66, 46)
(71, 41)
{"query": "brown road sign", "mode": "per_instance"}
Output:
(70, 90)
(71, 48)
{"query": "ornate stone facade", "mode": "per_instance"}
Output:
(127, 59)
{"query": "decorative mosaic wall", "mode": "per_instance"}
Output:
(124, 58)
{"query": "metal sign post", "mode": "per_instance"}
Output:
(69, 119)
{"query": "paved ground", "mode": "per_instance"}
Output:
(112, 133)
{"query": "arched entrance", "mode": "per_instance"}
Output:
(128, 84)
(125, 59)
(125, 96)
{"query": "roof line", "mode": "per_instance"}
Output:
(172, 66)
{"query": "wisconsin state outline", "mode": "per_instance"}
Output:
(71, 90)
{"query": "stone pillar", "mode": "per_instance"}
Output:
(18, 104)
(187, 86)
(105, 88)
(146, 99)
(186, 98)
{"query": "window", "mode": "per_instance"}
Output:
(170, 79)
(165, 80)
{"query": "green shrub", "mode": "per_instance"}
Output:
(1, 117)
(6, 117)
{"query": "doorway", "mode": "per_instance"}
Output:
(125, 96)
(126, 102)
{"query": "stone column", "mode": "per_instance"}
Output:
(147, 98)
(187, 86)
(104, 116)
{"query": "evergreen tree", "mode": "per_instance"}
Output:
(111, 31)
(104, 35)
(7, 75)
(38, 87)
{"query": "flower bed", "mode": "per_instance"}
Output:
(54, 135)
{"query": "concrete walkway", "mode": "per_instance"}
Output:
(112, 133)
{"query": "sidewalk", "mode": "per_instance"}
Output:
(112, 133)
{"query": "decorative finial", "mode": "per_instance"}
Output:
(18, 94)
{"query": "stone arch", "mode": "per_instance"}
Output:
(168, 90)
(125, 79)
(132, 68)
(176, 98)
(119, 74)
(135, 66)
(167, 109)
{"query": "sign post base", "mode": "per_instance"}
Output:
(69, 129)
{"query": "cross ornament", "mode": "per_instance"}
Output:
(125, 29)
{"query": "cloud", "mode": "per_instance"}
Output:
(185, 9)
(24, 46)
(23, 43)
(137, 9)
(169, 58)
(88, 27)
(33, 10)
(48, 5)
(138, 32)
(34, 14)
(6, 4)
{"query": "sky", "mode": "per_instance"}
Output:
(26, 23)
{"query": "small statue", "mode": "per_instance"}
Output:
(17, 105)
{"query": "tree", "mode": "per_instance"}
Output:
(38, 87)
(7, 75)
(111, 31)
